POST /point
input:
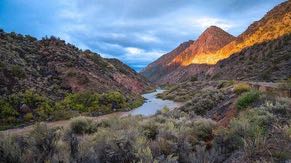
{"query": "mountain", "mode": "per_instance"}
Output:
(275, 24)
(215, 45)
(54, 68)
(162, 66)
(212, 39)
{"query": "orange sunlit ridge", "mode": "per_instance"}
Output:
(234, 47)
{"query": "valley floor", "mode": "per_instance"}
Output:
(221, 121)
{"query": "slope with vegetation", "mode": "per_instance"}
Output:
(49, 79)
(267, 61)
(257, 131)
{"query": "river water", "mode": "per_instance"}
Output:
(153, 104)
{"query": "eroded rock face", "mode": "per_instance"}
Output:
(53, 68)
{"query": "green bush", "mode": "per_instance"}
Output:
(6, 110)
(44, 111)
(247, 98)
(83, 102)
(81, 125)
(136, 103)
(31, 98)
(28, 117)
(165, 110)
(114, 97)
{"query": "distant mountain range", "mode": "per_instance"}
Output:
(214, 55)
(53, 68)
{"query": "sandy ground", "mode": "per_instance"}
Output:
(62, 123)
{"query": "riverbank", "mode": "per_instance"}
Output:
(150, 107)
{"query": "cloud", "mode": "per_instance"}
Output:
(134, 31)
(137, 54)
(131, 51)
(205, 22)
(148, 38)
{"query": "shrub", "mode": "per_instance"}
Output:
(72, 74)
(6, 110)
(241, 87)
(142, 151)
(83, 102)
(203, 155)
(83, 79)
(165, 110)
(279, 107)
(17, 71)
(203, 101)
(136, 103)
(113, 146)
(251, 123)
(256, 148)
(9, 151)
(81, 125)
(31, 98)
(28, 117)
(115, 99)
(43, 142)
(44, 111)
(150, 130)
(194, 78)
(203, 128)
(246, 99)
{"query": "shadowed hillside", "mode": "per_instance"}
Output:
(49, 79)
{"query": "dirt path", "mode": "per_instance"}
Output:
(62, 123)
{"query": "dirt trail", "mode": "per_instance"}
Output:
(62, 123)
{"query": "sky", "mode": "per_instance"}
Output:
(135, 31)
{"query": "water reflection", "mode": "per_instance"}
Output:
(153, 104)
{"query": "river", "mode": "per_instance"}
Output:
(153, 104)
(150, 107)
